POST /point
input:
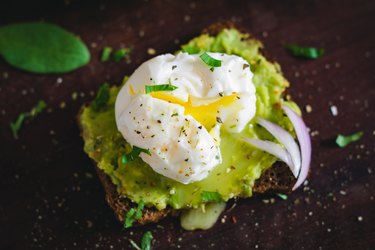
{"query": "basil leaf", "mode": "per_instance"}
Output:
(210, 61)
(342, 140)
(16, 126)
(106, 54)
(307, 52)
(102, 98)
(146, 241)
(211, 196)
(42, 48)
(160, 87)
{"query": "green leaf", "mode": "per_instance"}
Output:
(16, 126)
(106, 54)
(159, 87)
(210, 61)
(307, 52)
(146, 241)
(342, 140)
(102, 98)
(211, 196)
(120, 54)
(39, 47)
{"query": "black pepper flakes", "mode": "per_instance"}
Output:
(218, 119)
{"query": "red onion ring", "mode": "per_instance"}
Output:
(304, 140)
(271, 148)
(287, 140)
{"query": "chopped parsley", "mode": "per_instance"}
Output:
(16, 126)
(210, 61)
(307, 52)
(211, 196)
(102, 98)
(282, 196)
(106, 54)
(134, 154)
(120, 54)
(146, 241)
(159, 87)
(133, 214)
(342, 140)
(129, 218)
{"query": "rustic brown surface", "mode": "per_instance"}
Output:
(51, 198)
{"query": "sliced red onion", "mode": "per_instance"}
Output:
(304, 142)
(271, 148)
(287, 140)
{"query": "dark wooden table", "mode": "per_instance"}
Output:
(51, 198)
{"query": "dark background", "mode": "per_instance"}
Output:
(50, 196)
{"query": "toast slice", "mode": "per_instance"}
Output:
(278, 178)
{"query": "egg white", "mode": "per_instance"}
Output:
(181, 128)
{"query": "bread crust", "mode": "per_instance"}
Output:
(278, 178)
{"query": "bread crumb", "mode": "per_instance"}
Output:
(151, 51)
(334, 110)
(308, 108)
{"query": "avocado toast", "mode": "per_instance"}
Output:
(242, 174)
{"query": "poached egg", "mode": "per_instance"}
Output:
(181, 127)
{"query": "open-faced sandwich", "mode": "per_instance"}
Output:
(187, 132)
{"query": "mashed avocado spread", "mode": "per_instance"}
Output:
(242, 164)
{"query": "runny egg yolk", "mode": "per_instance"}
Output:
(207, 115)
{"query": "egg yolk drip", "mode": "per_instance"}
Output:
(207, 115)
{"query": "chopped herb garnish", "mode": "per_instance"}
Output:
(159, 87)
(102, 98)
(210, 61)
(138, 212)
(134, 154)
(211, 196)
(146, 241)
(120, 54)
(342, 140)
(16, 126)
(307, 52)
(282, 196)
(133, 214)
(174, 114)
(106, 54)
(129, 218)
(245, 66)
(218, 119)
